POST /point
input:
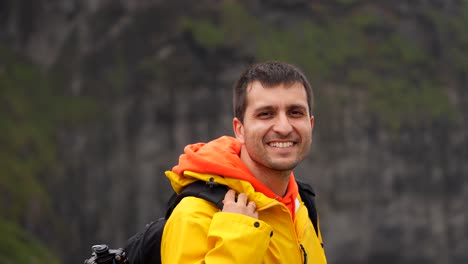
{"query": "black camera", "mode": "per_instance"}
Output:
(103, 255)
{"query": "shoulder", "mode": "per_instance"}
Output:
(193, 207)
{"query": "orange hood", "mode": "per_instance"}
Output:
(221, 157)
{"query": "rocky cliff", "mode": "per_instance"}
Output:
(130, 83)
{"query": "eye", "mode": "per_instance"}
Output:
(264, 115)
(297, 113)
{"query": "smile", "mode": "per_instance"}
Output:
(281, 144)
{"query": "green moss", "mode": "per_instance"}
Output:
(273, 42)
(452, 30)
(31, 111)
(238, 26)
(233, 27)
(362, 49)
(17, 246)
(399, 74)
(205, 32)
(23, 133)
(398, 100)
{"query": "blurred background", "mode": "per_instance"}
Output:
(99, 97)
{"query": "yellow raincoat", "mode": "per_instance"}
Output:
(197, 232)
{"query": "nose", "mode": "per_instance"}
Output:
(282, 125)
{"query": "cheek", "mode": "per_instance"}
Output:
(250, 136)
(304, 127)
(256, 130)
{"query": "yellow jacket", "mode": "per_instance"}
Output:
(197, 232)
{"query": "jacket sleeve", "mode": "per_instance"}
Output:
(197, 232)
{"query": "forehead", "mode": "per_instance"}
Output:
(276, 95)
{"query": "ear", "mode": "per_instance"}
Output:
(312, 122)
(238, 128)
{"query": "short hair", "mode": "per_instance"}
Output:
(269, 74)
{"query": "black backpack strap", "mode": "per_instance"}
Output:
(210, 191)
(308, 197)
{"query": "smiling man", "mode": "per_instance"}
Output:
(275, 131)
(263, 219)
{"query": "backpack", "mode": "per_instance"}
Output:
(145, 247)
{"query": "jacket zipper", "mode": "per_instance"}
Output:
(304, 253)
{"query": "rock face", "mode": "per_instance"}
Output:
(390, 141)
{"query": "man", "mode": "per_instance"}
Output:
(263, 219)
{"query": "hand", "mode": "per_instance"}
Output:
(241, 206)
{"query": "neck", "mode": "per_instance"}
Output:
(277, 183)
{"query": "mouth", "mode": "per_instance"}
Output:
(281, 144)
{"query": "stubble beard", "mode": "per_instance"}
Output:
(259, 154)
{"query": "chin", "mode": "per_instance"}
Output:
(283, 166)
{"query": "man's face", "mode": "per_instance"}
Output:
(277, 130)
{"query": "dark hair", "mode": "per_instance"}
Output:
(269, 74)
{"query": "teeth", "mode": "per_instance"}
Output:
(281, 144)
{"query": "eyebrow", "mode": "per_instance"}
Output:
(270, 108)
(298, 106)
(264, 108)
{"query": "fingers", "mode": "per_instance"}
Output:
(242, 198)
(241, 205)
(252, 205)
(230, 196)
